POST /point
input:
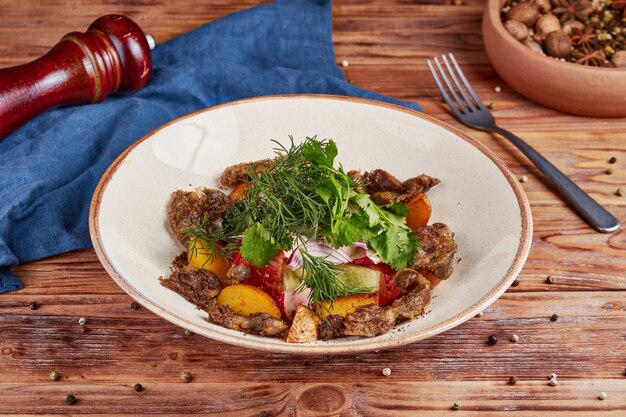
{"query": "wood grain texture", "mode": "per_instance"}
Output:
(386, 43)
(583, 343)
(345, 399)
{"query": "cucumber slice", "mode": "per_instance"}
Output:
(350, 274)
(361, 276)
(291, 279)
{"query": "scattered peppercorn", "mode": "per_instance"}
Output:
(82, 321)
(186, 376)
(456, 405)
(609, 171)
(387, 371)
(54, 375)
(492, 340)
(33, 305)
(497, 89)
(138, 387)
(188, 333)
(619, 192)
(602, 395)
(612, 160)
(512, 380)
(514, 338)
(552, 376)
(550, 280)
(134, 305)
(524, 178)
(70, 399)
(554, 317)
(515, 283)
(491, 105)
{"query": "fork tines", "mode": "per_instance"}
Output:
(459, 106)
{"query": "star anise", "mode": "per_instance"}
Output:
(585, 38)
(572, 9)
(588, 57)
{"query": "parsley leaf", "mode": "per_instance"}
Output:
(257, 245)
(320, 153)
(371, 210)
(395, 246)
(391, 238)
(348, 229)
(398, 208)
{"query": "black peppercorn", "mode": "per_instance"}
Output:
(512, 380)
(70, 399)
(549, 280)
(134, 305)
(554, 317)
(138, 387)
(612, 160)
(33, 305)
(493, 339)
(515, 283)
(186, 376)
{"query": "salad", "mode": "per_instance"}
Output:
(301, 249)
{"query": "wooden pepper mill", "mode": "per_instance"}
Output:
(112, 55)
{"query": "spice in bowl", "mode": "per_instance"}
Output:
(585, 32)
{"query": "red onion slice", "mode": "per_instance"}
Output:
(290, 300)
(320, 249)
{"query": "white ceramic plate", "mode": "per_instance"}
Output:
(479, 199)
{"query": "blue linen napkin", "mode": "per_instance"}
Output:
(50, 167)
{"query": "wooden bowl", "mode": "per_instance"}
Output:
(564, 86)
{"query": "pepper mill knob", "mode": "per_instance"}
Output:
(113, 55)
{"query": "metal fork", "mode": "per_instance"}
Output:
(474, 114)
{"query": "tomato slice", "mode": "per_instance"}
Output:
(269, 278)
(388, 290)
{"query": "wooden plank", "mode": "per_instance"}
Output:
(349, 399)
(37, 31)
(123, 344)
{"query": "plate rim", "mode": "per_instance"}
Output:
(243, 340)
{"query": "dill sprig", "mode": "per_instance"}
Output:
(213, 242)
(322, 277)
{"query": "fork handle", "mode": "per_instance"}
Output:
(596, 215)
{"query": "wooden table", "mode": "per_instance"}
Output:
(387, 43)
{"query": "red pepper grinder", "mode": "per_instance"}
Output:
(113, 55)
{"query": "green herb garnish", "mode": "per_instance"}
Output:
(302, 196)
